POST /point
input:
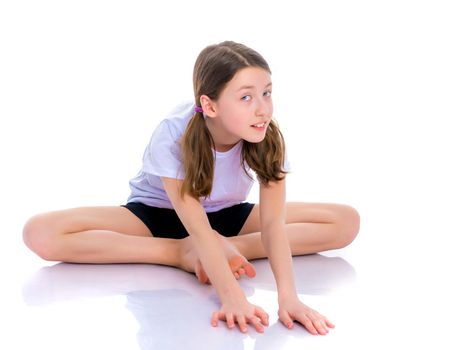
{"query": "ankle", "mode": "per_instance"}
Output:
(238, 244)
(179, 251)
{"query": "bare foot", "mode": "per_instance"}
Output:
(190, 262)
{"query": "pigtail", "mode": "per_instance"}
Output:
(197, 158)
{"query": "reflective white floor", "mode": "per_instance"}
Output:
(162, 308)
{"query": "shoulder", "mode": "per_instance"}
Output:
(173, 124)
(177, 119)
(170, 129)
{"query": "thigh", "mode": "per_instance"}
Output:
(297, 212)
(111, 218)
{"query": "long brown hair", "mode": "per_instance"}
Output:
(215, 66)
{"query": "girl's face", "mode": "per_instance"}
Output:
(245, 102)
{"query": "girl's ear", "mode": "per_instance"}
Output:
(209, 106)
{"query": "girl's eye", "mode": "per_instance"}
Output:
(267, 93)
(246, 98)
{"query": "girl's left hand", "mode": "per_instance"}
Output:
(293, 309)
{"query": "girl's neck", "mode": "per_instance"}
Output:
(223, 141)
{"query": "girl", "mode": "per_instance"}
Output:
(187, 205)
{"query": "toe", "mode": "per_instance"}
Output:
(240, 265)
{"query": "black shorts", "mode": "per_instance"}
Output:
(165, 223)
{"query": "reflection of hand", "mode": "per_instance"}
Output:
(241, 312)
(293, 309)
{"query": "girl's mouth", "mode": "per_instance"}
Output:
(260, 126)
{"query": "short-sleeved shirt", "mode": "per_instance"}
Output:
(162, 158)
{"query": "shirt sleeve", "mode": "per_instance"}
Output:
(162, 156)
(287, 166)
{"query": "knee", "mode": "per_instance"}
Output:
(38, 236)
(349, 225)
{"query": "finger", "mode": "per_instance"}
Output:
(241, 271)
(215, 319)
(319, 321)
(328, 323)
(242, 324)
(320, 326)
(287, 321)
(263, 316)
(285, 318)
(230, 320)
(256, 322)
(306, 322)
(237, 276)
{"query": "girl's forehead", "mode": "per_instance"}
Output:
(250, 77)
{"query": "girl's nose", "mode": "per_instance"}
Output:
(262, 108)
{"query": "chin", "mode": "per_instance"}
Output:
(255, 140)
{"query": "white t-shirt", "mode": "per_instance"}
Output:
(162, 157)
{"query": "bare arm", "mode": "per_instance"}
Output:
(274, 238)
(235, 307)
(195, 220)
(273, 235)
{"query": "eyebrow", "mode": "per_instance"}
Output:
(251, 86)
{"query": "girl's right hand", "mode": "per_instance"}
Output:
(241, 312)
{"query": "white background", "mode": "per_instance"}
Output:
(370, 96)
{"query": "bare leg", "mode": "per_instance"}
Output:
(304, 238)
(97, 235)
(310, 228)
(114, 235)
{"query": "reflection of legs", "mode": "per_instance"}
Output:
(310, 228)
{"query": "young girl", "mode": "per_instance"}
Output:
(187, 205)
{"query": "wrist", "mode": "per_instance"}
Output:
(233, 292)
(286, 296)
